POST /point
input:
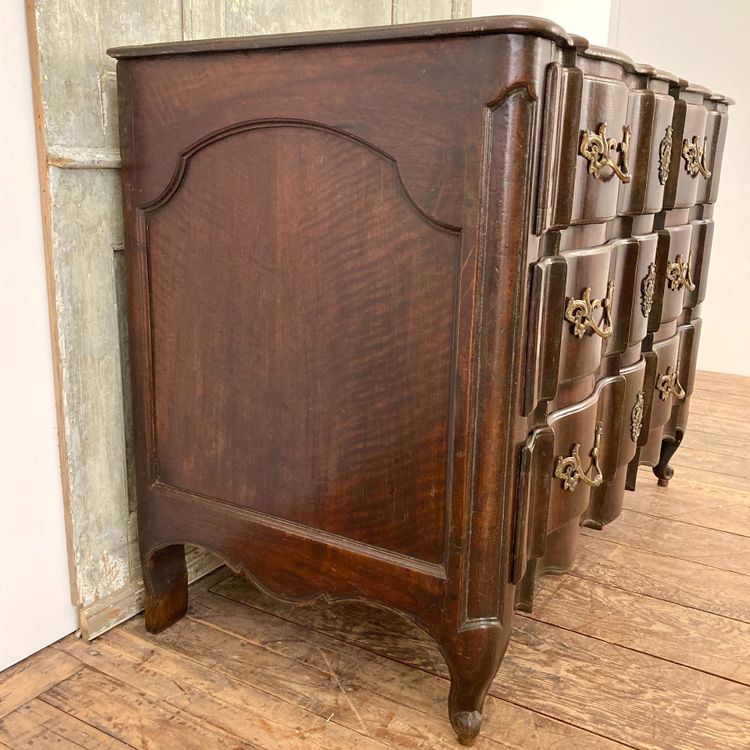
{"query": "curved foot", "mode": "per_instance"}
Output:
(466, 724)
(663, 471)
(165, 579)
(473, 657)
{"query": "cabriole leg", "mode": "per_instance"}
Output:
(473, 660)
(669, 445)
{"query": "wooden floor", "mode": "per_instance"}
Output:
(644, 644)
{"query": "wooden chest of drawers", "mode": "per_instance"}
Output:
(407, 306)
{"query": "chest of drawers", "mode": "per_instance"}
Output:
(407, 306)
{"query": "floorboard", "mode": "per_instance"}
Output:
(643, 644)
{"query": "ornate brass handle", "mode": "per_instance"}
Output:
(668, 385)
(580, 312)
(695, 157)
(678, 274)
(595, 148)
(569, 470)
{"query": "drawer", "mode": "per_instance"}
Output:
(606, 500)
(604, 150)
(672, 274)
(692, 169)
(585, 447)
(650, 119)
(558, 469)
(588, 311)
(699, 256)
(666, 387)
(638, 291)
(716, 136)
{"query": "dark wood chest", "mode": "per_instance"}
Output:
(407, 306)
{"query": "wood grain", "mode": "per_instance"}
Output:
(700, 503)
(39, 725)
(31, 677)
(717, 549)
(696, 639)
(672, 579)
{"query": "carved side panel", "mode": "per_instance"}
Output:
(305, 375)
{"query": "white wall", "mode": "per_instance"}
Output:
(35, 606)
(588, 18)
(708, 44)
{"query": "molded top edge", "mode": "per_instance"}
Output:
(529, 25)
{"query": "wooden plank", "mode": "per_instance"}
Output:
(698, 503)
(31, 677)
(212, 699)
(77, 82)
(134, 718)
(636, 698)
(86, 224)
(38, 725)
(414, 11)
(680, 581)
(246, 17)
(633, 698)
(645, 624)
(277, 656)
(732, 472)
(720, 382)
(716, 549)
(724, 443)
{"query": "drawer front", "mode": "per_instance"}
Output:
(702, 234)
(716, 136)
(672, 272)
(585, 446)
(666, 387)
(588, 317)
(650, 119)
(692, 172)
(604, 150)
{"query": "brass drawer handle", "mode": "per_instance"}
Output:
(569, 470)
(695, 157)
(678, 274)
(668, 385)
(595, 148)
(580, 312)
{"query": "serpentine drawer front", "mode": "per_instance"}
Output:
(407, 306)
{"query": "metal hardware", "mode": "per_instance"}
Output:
(695, 157)
(595, 147)
(648, 288)
(678, 274)
(669, 385)
(636, 417)
(569, 470)
(665, 155)
(580, 312)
